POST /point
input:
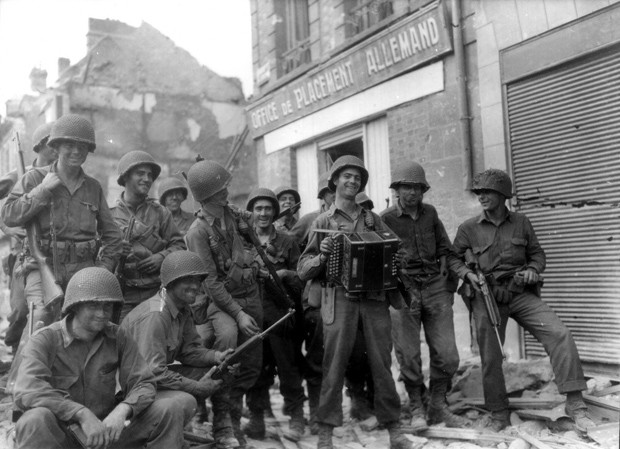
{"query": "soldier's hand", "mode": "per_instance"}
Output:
(151, 264)
(220, 356)
(473, 280)
(94, 430)
(401, 257)
(327, 246)
(247, 325)
(208, 386)
(51, 181)
(115, 422)
(529, 276)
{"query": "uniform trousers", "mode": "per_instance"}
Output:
(158, 426)
(339, 339)
(433, 310)
(536, 317)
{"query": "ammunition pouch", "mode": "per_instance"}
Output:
(69, 251)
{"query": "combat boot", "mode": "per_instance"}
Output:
(577, 409)
(296, 426)
(235, 418)
(314, 393)
(325, 437)
(398, 440)
(500, 419)
(255, 428)
(438, 411)
(222, 427)
(416, 409)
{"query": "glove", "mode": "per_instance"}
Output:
(501, 294)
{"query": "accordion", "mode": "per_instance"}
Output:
(364, 261)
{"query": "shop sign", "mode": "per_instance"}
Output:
(410, 43)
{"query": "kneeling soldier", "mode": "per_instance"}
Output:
(69, 373)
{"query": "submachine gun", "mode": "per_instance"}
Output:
(52, 291)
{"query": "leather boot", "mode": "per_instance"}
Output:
(296, 425)
(397, 438)
(438, 407)
(314, 393)
(416, 408)
(255, 428)
(236, 405)
(222, 427)
(325, 437)
(577, 409)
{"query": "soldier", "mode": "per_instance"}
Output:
(70, 210)
(18, 317)
(426, 254)
(154, 233)
(164, 330)
(69, 375)
(505, 247)
(287, 197)
(342, 311)
(172, 192)
(280, 350)
(234, 313)
(363, 200)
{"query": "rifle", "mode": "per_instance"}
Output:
(489, 301)
(290, 211)
(222, 368)
(123, 260)
(51, 290)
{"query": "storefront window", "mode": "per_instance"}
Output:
(297, 35)
(364, 14)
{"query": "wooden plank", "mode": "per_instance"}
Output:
(607, 435)
(513, 403)
(605, 391)
(533, 441)
(451, 433)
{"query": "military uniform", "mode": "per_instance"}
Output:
(183, 220)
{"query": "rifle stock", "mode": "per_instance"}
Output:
(222, 368)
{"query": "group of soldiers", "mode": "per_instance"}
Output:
(155, 299)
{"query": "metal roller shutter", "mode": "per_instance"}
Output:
(564, 128)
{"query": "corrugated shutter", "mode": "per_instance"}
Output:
(564, 127)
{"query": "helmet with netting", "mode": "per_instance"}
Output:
(343, 162)
(72, 127)
(167, 185)
(263, 194)
(132, 160)
(41, 135)
(182, 264)
(493, 179)
(92, 284)
(206, 178)
(409, 172)
(279, 191)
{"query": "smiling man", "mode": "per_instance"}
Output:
(154, 234)
(342, 311)
(172, 193)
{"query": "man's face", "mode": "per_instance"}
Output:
(490, 200)
(93, 316)
(184, 291)
(286, 200)
(263, 213)
(410, 195)
(72, 154)
(329, 197)
(139, 180)
(173, 200)
(348, 182)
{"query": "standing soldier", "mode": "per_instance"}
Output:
(172, 192)
(426, 254)
(287, 197)
(301, 228)
(235, 313)
(70, 210)
(504, 246)
(18, 317)
(341, 311)
(280, 350)
(154, 234)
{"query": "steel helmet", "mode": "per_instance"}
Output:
(361, 198)
(41, 136)
(168, 184)
(323, 185)
(181, 264)
(206, 178)
(263, 194)
(279, 191)
(92, 284)
(409, 172)
(344, 162)
(493, 179)
(72, 127)
(132, 160)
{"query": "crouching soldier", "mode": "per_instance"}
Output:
(164, 329)
(235, 313)
(68, 379)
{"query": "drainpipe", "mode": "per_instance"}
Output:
(461, 81)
